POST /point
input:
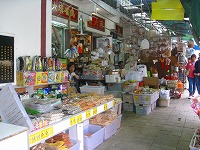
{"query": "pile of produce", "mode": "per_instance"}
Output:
(61, 140)
(87, 101)
(104, 118)
(145, 90)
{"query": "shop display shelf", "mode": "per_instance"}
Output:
(40, 135)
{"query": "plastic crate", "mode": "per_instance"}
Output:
(110, 129)
(119, 119)
(114, 86)
(76, 145)
(131, 87)
(95, 139)
(153, 106)
(143, 110)
(192, 144)
(127, 98)
(164, 103)
(117, 108)
(146, 99)
(92, 89)
(127, 107)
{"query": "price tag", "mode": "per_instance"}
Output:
(147, 98)
(105, 106)
(88, 114)
(136, 98)
(73, 121)
(34, 138)
(113, 103)
(79, 118)
(94, 111)
(43, 134)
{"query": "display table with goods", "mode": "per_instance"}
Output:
(51, 117)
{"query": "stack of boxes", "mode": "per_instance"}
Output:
(145, 103)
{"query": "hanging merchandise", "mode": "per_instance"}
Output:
(20, 64)
(58, 64)
(49, 64)
(167, 63)
(28, 61)
(44, 63)
(80, 48)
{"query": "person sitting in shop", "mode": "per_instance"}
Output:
(73, 77)
(190, 50)
(191, 78)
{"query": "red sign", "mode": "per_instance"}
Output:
(97, 23)
(64, 10)
(119, 30)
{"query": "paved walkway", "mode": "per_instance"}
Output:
(168, 128)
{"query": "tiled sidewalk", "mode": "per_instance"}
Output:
(168, 128)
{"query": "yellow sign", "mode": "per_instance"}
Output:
(88, 114)
(79, 118)
(94, 111)
(41, 135)
(105, 106)
(73, 121)
(136, 98)
(167, 10)
(147, 98)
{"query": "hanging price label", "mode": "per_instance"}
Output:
(105, 106)
(147, 98)
(47, 132)
(73, 121)
(79, 118)
(34, 138)
(43, 134)
(94, 111)
(88, 114)
(136, 98)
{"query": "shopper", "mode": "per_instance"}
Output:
(197, 75)
(191, 78)
(190, 50)
(73, 77)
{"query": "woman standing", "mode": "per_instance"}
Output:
(73, 77)
(191, 78)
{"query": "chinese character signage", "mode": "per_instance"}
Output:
(119, 30)
(97, 23)
(64, 10)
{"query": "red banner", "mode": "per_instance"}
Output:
(64, 10)
(97, 23)
(119, 30)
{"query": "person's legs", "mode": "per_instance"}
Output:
(197, 79)
(190, 86)
(194, 86)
